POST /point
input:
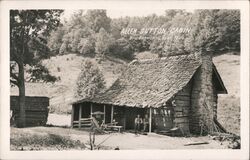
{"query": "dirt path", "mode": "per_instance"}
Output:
(59, 119)
(128, 140)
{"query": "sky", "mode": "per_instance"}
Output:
(125, 12)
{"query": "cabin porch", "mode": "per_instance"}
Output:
(160, 119)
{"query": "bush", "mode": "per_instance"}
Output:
(86, 46)
(122, 49)
(30, 141)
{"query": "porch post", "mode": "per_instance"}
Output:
(104, 111)
(150, 120)
(80, 115)
(72, 115)
(112, 113)
(91, 109)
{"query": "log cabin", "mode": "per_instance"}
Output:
(178, 91)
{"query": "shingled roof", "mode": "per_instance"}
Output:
(150, 83)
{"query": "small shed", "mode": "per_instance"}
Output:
(175, 92)
(36, 110)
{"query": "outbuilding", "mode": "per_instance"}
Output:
(36, 110)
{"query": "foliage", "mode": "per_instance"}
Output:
(157, 46)
(40, 73)
(122, 49)
(104, 42)
(86, 46)
(210, 30)
(117, 25)
(81, 32)
(212, 33)
(29, 141)
(230, 29)
(63, 48)
(90, 81)
(139, 44)
(55, 39)
(97, 19)
(28, 32)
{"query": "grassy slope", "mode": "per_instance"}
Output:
(67, 67)
(229, 104)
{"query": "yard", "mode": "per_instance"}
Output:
(65, 138)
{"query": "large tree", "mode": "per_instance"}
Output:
(29, 30)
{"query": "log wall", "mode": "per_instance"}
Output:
(182, 109)
(36, 110)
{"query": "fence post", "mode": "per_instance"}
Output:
(72, 115)
(112, 113)
(150, 120)
(80, 115)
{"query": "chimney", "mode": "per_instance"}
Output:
(202, 98)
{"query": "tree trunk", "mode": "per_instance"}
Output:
(21, 120)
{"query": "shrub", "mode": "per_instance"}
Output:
(86, 46)
(39, 141)
(122, 49)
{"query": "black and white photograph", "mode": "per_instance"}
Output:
(115, 79)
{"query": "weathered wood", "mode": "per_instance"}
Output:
(104, 110)
(112, 113)
(183, 94)
(80, 115)
(72, 115)
(182, 103)
(150, 119)
(195, 143)
(36, 110)
(182, 108)
(91, 109)
(182, 119)
(181, 114)
(183, 98)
